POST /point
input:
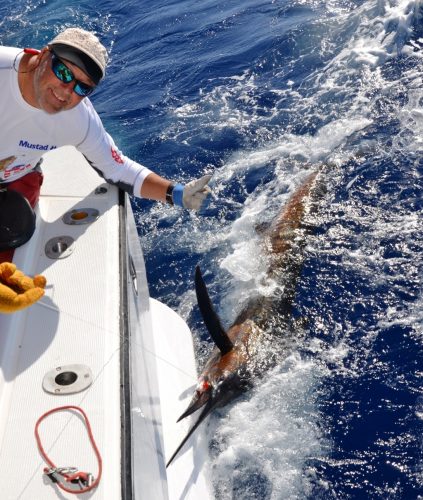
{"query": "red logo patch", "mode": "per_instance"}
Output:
(116, 156)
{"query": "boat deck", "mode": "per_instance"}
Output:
(79, 322)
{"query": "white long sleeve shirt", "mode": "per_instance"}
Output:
(27, 133)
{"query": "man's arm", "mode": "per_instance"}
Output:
(154, 187)
(102, 153)
(191, 195)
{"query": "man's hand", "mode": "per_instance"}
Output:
(193, 194)
(18, 291)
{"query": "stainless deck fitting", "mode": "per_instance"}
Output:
(68, 379)
(59, 247)
(79, 216)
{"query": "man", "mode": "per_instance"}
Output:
(44, 105)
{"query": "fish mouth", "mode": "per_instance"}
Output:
(213, 397)
(200, 398)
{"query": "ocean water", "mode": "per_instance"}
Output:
(257, 92)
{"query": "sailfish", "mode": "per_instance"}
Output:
(238, 357)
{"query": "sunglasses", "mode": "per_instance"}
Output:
(65, 75)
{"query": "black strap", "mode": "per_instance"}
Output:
(17, 219)
(169, 193)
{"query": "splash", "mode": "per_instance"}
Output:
(358, 239)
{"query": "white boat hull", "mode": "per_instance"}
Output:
(138, 350)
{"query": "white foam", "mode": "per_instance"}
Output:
(270, 436)
(276, 427)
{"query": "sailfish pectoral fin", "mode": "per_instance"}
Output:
(211, 319)
(206, 410)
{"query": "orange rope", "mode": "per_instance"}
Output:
(53, 469)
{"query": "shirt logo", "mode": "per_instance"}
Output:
(116, 156)
(40, 147)
(6, 162)
(16, 169)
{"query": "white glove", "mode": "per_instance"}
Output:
(192, 194)
(195, 192)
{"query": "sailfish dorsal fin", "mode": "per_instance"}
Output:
(211, 319)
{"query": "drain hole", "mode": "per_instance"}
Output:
(79, 215)
(66, 378)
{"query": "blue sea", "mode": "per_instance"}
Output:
(257, 93)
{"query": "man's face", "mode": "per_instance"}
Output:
(52, 95)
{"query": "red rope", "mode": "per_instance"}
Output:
(69, 477)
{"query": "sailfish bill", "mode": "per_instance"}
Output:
(234, 361)
(206, 410)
